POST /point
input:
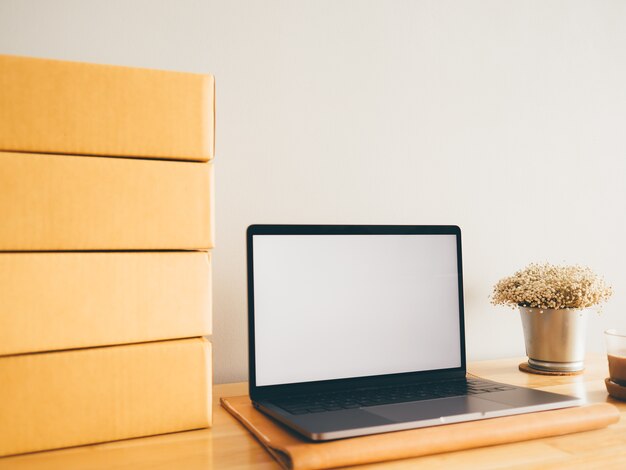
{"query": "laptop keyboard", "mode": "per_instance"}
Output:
(347, 399)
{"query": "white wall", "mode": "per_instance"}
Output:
(505, 117)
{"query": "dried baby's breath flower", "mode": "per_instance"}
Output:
(550, 286)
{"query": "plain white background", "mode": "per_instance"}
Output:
(504, 117)
(334, 307)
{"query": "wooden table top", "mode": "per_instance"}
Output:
(229, 446)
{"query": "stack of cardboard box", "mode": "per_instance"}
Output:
(106, 223)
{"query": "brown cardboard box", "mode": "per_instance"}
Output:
(53, 106)
(53, 301)
(68, 398)
(71, 203)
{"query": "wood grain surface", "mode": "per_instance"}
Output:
(229, 446)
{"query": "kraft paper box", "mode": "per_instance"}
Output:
(68, 398)
(53, 106)
(71, 203)
(54, 301)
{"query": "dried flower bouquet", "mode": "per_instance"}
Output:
(551, 287)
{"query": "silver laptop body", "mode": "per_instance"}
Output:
(358, 330)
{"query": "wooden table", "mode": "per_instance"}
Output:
(229, 446)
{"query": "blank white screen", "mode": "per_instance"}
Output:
(340, 306)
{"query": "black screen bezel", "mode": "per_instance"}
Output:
(272, 391)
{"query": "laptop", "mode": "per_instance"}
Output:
(359, 329)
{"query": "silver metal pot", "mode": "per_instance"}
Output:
(555, 338)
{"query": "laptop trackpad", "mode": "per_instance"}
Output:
(434, 409)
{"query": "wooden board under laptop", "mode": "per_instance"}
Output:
(294, 452)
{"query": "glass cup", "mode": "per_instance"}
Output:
(616, 350)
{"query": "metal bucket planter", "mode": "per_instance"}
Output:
(555, 338)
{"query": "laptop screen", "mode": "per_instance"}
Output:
(343, 306)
